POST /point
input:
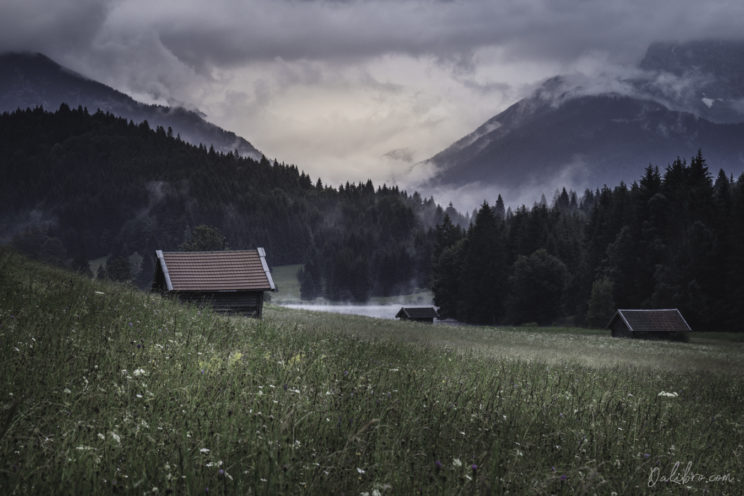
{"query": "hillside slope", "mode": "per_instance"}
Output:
(28, 80)
(79, 186)
(106, 389)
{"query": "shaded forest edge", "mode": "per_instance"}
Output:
(674, 239)
(81, 186)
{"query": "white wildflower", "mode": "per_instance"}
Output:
(115, 436)
(138, 395)
(204, 450)
(361, 471)
(101, 437)
(457, 462)
(67, 391)
(139, 372)
(668, 395)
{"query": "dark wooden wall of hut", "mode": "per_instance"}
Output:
(239, 302)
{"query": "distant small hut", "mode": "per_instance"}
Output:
(666, 323)
(230, 281)
(418, 314)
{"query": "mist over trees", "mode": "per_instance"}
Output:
(79, 187)
(672, 239)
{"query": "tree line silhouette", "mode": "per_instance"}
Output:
(79, 186)
(672, 239)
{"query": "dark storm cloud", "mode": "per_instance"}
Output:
(229, 32)
(225, 33)
(62, 25)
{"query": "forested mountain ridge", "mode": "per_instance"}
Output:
(29, 80)
(78, 187)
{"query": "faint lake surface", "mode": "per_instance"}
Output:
(378, 311)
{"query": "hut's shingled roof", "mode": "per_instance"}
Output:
(216, 270)
(657, 320)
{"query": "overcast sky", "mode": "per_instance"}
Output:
(350, 89)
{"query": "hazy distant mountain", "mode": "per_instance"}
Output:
(583, 131)
(28, 80)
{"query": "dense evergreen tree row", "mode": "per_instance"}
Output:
(383, 248)
(670, 240)
(78, 186)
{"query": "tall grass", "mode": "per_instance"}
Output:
(106, 389)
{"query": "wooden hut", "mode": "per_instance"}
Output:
(230, 281)
(665, 323)
(418, 314)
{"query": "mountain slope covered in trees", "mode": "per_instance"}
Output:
(79, 187)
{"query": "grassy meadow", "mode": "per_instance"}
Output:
(106, 389)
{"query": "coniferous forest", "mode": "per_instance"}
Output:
(79, 186)
(675, 238)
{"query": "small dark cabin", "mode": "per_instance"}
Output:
(666, 323)
(418, 314)
(231, 281)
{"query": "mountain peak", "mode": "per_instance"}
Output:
(31, 79)
(585, 131)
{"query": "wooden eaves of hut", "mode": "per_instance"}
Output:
(232, 281)
(664, 323)
(418, 314)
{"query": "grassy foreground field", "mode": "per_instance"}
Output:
(109, 390)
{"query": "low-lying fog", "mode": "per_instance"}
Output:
(378, 311)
